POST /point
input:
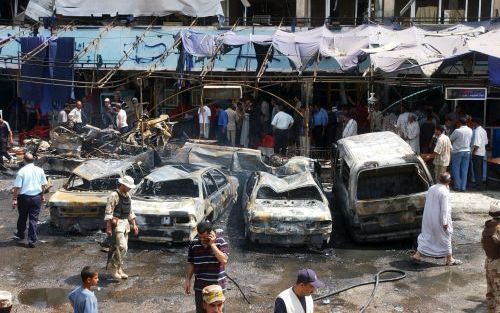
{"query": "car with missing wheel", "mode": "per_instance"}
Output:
(171, 201)
(80, 204)
(288, 210)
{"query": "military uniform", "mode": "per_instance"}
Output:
(119, 210)
(491, 244)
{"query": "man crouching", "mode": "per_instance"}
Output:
(118, 217)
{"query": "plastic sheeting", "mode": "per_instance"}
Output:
(195, 8)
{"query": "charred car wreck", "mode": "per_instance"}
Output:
(79, 206)
(172, 200)
(380, 186)
(291, 210)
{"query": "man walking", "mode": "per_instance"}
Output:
(491, 244)
(207, 258)
(281, 123)
(28, 196)
(437, 226)
(298, 299)
(479, 142)
(442, 152)
(118, 216)
(460, 158)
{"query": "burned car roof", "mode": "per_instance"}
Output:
(239, 159)
(282, 184)
(381, 147)
(175, 172)
(102, 168)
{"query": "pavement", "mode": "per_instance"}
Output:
(40, 278)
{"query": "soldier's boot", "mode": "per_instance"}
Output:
(122, 273)
(114, 272)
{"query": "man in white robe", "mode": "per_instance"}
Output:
(437, 227)
(412, 133)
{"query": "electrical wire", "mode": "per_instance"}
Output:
(376, 281)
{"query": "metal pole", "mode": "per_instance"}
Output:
(356, 13)
(440, 7)
(479, 10)
(369, 9)
(466, 9)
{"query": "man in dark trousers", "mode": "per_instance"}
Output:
(27, 197)
(207, 258)
(281, 123)
(491, 245)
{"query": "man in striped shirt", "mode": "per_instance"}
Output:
(207, 257)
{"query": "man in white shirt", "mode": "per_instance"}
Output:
(121, 119)
(62, 117)
(281, 123)
(478, 145)
(402, 121)
(204, 114)
(351, 126)
(460, 158)
(75, 116)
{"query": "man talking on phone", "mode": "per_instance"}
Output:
(207, 257)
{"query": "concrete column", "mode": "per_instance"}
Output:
(389, 9)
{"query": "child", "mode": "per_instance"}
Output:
(82, 299)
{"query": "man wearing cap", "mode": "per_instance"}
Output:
(213, 299)
(118, 216)
(491, 245)
(437, 227)
(298, 299)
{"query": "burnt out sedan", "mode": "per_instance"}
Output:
(292, 210)
(172, 200)
(79, 206)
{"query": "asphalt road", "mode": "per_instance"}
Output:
(40, 278)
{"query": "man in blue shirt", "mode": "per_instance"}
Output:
(82, 299)
(27, 197)
(222, 123)
(320, 122)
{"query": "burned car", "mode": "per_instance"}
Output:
(172, 200)
(289, 210)
(380, 186)
(79, 206)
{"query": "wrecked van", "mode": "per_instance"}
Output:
(380, 186)
(172, 200)
(79, 206)
(289, 210)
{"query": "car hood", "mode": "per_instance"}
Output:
(290, 210)
(162, 206)
(67, 198)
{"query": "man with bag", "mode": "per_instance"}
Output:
(118, 217)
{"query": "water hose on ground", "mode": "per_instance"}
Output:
(241, 291)
(375, 283)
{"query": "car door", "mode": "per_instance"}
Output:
(224, 188)
(211, 196)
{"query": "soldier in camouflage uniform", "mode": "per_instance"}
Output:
(491, 245)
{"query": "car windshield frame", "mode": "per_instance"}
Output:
(109, 183)
(148, 188)
(295, 194)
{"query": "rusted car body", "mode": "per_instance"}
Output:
(380, 186)
(291, 210)
(172, 200)
(79, 206)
